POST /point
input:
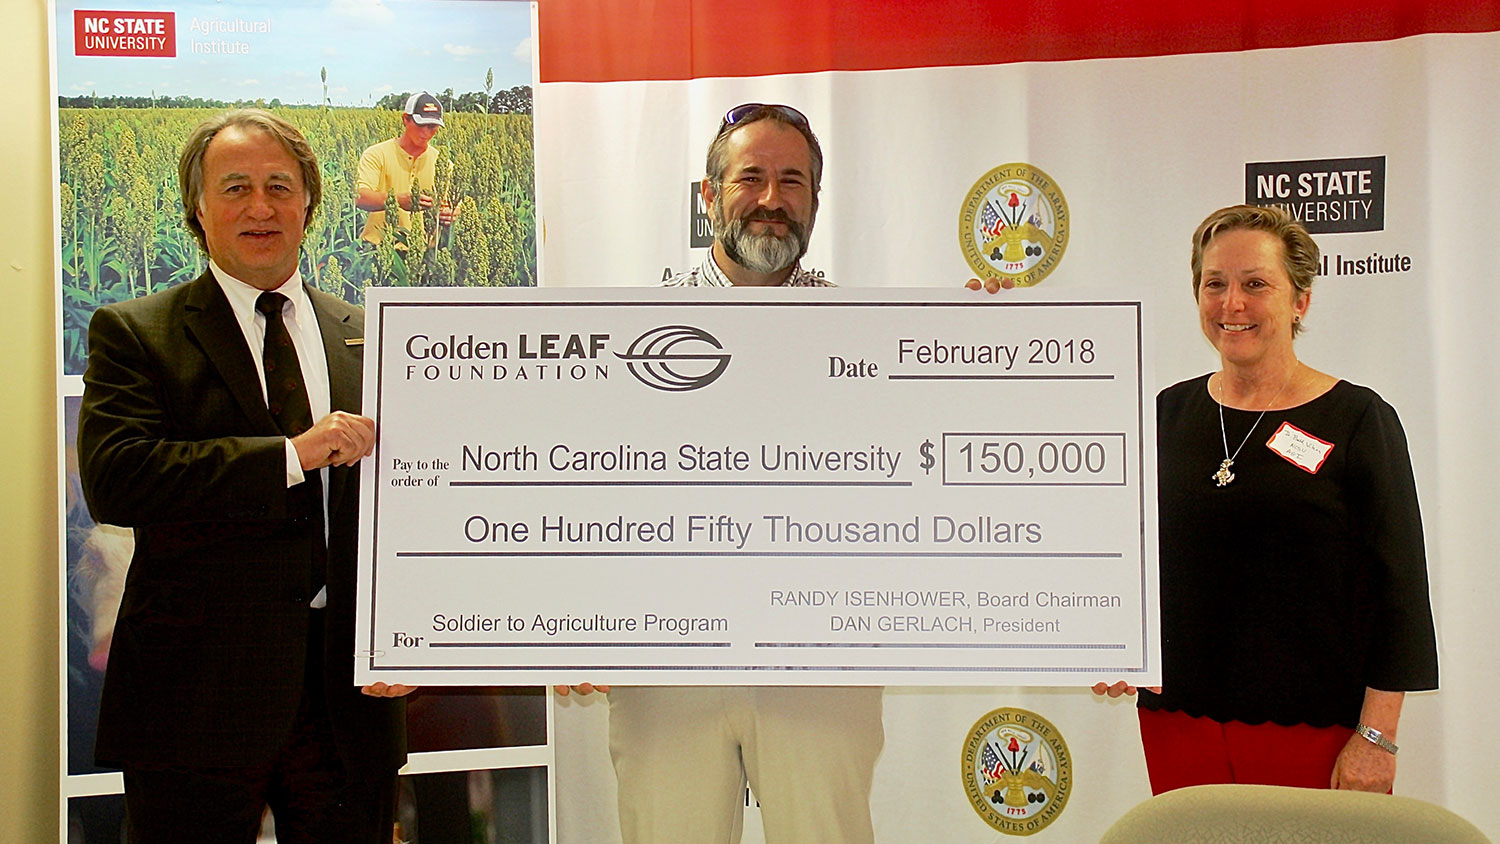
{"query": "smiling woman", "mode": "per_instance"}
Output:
(1294, 601)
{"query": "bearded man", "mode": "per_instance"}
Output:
(683, 754)
(765, 169)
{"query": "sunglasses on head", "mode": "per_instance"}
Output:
(744, 110)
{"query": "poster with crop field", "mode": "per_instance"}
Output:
(133, 79)
(130, 81)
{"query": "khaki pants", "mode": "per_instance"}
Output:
(683, 755)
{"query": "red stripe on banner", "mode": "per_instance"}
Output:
(615, 40)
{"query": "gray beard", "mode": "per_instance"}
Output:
(758, 253)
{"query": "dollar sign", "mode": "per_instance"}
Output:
(927, 461)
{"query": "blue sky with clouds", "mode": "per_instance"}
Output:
(370, 47)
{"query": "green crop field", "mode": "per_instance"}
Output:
(123, 235)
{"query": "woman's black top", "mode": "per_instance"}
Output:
(1287, 592)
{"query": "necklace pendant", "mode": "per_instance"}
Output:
(1224, 476)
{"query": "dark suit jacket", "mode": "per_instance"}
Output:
(175, 441)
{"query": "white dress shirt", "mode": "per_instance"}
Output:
(302, 324)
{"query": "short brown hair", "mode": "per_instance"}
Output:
(718, 157)
(1299, 252)
(190, 164)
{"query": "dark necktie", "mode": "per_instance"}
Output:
(286, 392)
(286, 397)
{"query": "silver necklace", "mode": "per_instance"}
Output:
(1224, 476)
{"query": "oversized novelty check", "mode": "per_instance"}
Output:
(756, 486)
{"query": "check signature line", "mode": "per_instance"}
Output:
(998, 646)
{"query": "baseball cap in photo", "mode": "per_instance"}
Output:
(425, 109)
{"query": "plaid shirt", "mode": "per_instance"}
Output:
(708, 274)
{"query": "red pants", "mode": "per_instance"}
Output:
(1182, 750)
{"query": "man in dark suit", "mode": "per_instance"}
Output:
(220, 422)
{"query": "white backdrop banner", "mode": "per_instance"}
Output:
(1371, 123)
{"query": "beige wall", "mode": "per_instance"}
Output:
(28, 486)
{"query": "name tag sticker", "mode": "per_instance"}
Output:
(1300, 448)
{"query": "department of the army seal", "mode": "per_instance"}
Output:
(1014, 224)
(1017, 771)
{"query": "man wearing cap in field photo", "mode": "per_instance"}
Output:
(392, 166)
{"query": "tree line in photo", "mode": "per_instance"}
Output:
(122, 234)
(515, 100)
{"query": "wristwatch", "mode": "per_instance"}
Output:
(1373, 736)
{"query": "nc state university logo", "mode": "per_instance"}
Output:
(121, 33)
